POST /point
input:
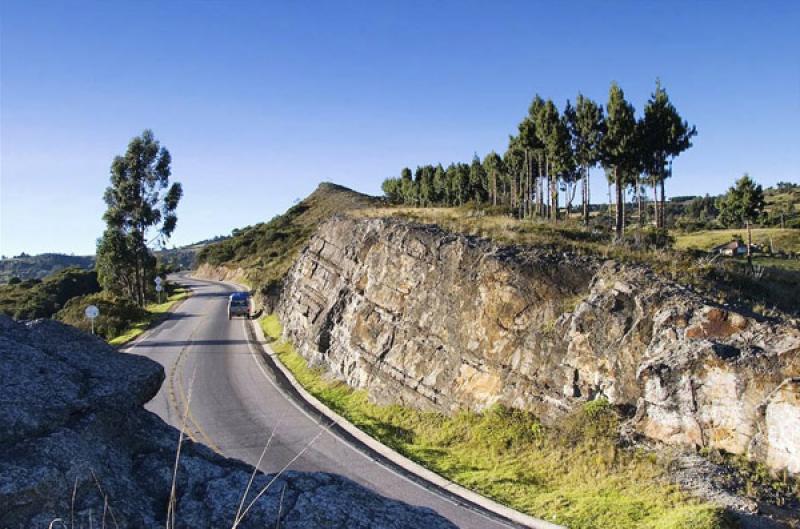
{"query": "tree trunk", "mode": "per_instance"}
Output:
(494, 187)
(639, 202)
(662, 211)
(539, 188)
(655, 204)
(586, 196)
(553, 198)
(571, 190)
(619, 227)
(749, 238)
(529, 176)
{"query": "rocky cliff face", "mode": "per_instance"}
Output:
(76, 445)
(441, 321)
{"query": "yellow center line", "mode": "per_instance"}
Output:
(184, 406)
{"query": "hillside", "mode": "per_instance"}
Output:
(40, 266)
(265, 252)
(35, 298)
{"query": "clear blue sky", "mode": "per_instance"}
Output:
(259, 102)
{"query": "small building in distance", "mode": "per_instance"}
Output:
(731, 249)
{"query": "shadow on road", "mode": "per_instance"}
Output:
(181, 343)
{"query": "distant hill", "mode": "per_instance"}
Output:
(26, 267)
(266, 250)
(41, 298)
(40, 266)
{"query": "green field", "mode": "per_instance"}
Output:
(786, 240)
(575, 475)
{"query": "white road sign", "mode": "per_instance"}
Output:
(92, 312)
(158, 280)
(159, 288)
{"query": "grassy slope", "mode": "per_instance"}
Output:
(575, 475)
(787, 240)
(266, 251)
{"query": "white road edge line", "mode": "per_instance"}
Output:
(344, 442)
(397, 458)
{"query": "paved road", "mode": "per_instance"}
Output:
(235, 403)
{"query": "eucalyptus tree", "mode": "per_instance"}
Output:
(408, 188)
(563, 160)
(665, 136)
(742, 205)
(141, 203)
(493, 167)
(424, 180)
(530, 145)
(477, 181)
(391, 189)
(514, 161)
(552, 134)
(616, 149)
(586, 126)
(440, 188)
(458, 177)
(538, 148)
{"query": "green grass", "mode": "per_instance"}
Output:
(575, 474)
(774, 262)
(155, 314)
(786, 240)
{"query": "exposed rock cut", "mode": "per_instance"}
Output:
(442, 321)
(71, 415)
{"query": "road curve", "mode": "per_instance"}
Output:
(234, 404)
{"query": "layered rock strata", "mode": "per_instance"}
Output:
(441, 321)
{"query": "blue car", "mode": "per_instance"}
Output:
(239, 305)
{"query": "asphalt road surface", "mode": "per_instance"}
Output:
(235, 403)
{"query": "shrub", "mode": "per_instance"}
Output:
(116, 314)
(596, 420)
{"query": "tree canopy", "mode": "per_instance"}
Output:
(141, 203)
(553, 151)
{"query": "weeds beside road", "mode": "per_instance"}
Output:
(575, 475)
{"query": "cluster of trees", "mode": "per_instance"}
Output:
(775, 206)
(554, 151)
(141, 203)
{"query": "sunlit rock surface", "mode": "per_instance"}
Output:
(442, 321)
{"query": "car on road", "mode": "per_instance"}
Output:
(239, 305)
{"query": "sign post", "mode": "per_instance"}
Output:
(159, 288)
(92, 312)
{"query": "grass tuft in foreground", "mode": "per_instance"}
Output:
(575, 475)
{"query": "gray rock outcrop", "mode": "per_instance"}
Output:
(443, 321)
(76, 445)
